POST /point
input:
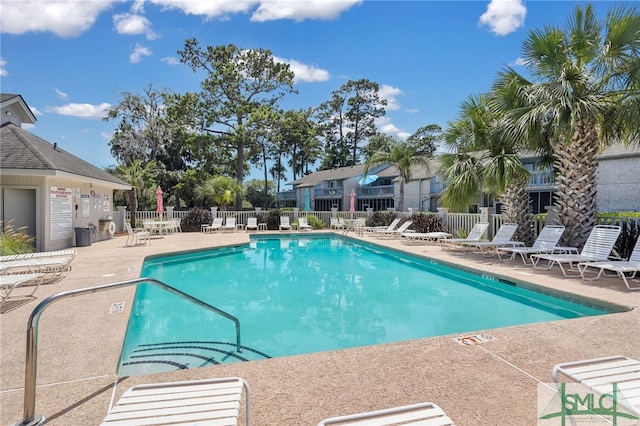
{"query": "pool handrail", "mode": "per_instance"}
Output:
(29, 417)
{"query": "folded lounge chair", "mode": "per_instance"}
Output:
(426, 413)
(209, 401)
(600, 375)
(334, 223)
(620, 268)
(501, 239)
(597, 248)
(385, 233)
(475, 235)
(545, 243)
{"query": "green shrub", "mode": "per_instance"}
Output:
(15, 241)
(315, 222)
(272, 219)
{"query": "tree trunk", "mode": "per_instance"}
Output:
(577, 165)
(401, 196)
(133, 205)
(517, 209)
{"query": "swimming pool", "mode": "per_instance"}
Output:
(298, 293)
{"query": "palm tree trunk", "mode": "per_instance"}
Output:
(133, 205)
(516, 208)
(577, 165)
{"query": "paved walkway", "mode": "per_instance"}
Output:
(493, 384)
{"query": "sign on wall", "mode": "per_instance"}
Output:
(61, 212)
(86, 206)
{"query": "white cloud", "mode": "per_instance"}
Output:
(132, 24)
(138, 52)
(385, 126)
(3, 70)
(171, 60)
(504, 16)
(82, 110)
(413, 110)
(304, 72)
(60, 94)
(390, 93)
(520, 62)
(35, 111)
(210, 9)
(64, 18)
(270, 10)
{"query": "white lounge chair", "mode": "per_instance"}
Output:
(252, 224)
(475, 235)
(285, 223)
(8, 283)
(600, 374)
(426, 413)
(215, 225)
(546, 242)
(229, 225)
(303, 225)
(209, 401)
(134, 236)
(385, 233)
(423, 237)
(391, 226)
(597, 248)
(620, 268)
(501, 239)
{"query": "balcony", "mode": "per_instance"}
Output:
(542, 179)
(286, 195)
(328, 192)
(385, 191)
(436, 188)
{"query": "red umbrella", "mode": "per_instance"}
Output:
(160, 208)
(352, 206)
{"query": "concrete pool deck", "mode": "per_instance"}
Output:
(494, 383)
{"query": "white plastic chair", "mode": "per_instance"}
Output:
(426, 413)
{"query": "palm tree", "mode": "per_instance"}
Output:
(486, 161)
(222, 190)
(587, 94)
(142, 182)
(416, 150)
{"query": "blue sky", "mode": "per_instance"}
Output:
(71, 60)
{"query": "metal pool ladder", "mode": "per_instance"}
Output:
(30, 418)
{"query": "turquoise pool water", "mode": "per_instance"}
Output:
(301, 294)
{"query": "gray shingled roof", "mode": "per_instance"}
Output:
(340, 173)
(22, 150)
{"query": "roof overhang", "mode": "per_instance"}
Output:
(63, 175)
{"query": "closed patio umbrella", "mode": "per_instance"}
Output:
(352, 205)
(159, 204)
(307, 201)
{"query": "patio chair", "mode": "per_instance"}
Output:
(385, 233)
(209, 401)
(501, 239)
(303, 225)
(426, 413)
(475, 235)
(8, 283)
(619, 267)
(334, 223)
(601, 374)
(423, 237)
(252, 224)
(391, 226)
(546, 242)
(229, 225)
(285, 224)
(134, 236)
(597, 248)
(215, 225)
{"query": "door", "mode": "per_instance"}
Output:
(19, 209)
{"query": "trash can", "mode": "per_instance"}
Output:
(83, 236)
